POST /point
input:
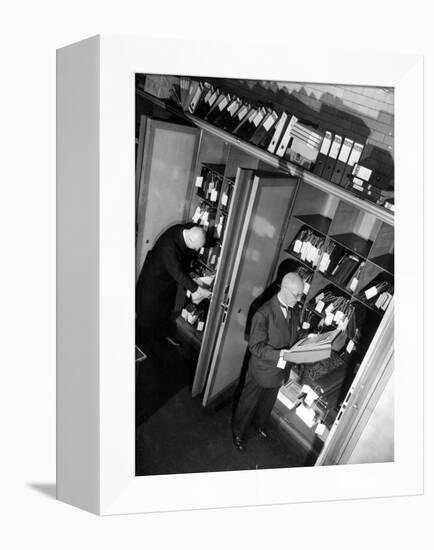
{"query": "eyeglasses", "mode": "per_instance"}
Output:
(297, 296)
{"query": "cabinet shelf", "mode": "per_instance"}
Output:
(353, 243)
(274, 161)
(385, 261)
(316, 221)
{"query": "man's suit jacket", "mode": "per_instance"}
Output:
(166, 266)
(270, 332)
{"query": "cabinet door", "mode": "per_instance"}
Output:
(253, 242)
(169, 156)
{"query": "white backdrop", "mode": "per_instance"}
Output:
(30, 34)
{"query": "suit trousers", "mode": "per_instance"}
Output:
(254, 406)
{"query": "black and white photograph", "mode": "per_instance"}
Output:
(264, 304)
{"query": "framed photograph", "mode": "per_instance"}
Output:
(240, 298)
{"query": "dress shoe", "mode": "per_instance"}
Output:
(173, 341)
(263, 434)
(239, 443)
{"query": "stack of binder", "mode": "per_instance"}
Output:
(353, 282)
(329, 257)
(378, 295)
(345, 268)
(332, 156)
(362, 178)
(307, 246)
(337, 157)
(204, 215)
(209, 185)
(309, 320)
(336, 310)
(209, 256)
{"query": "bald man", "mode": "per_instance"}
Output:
(166, 266)
(275, 328)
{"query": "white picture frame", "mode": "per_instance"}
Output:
(96, 262)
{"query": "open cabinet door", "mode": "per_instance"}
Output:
(163, 177)
(253, 242)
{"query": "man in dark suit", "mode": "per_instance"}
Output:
(166, 266)
(275, 328)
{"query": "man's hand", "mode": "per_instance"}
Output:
(199, 295)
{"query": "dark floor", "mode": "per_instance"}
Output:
(176, 434)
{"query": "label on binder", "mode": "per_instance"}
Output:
(199, 181)
(213, 195)
(223, 103)
(319, 297)
(252, 115)
(306, 288)
(213, 98)
(188, 293)
(277, 132)
(319, 306)
(205, 216)
(270, 121)
(358, 182)
(345, 150)
(305, 325)
(324, 262)
(297, 246)
(371, 292)
(329, 308)
(258, 118)
(224, 199)
(380, 300)
(329, 318)
(233, 107)
(320, 429)
(387, 301)
(195, 99)
(315, 256)
(184, 313)
(355, 155)
(196, 215)
(350, 346)
(200, 326)
(286, 137)
(208, 95)
(354, 283)
(362, 172)
(336, 145)
(326, 142)
(243, 112)
(212, 259)
(338, 316)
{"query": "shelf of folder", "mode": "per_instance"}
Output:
(275, 161)
(316, 222)
(353, 243)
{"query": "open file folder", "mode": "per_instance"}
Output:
(315, 347)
